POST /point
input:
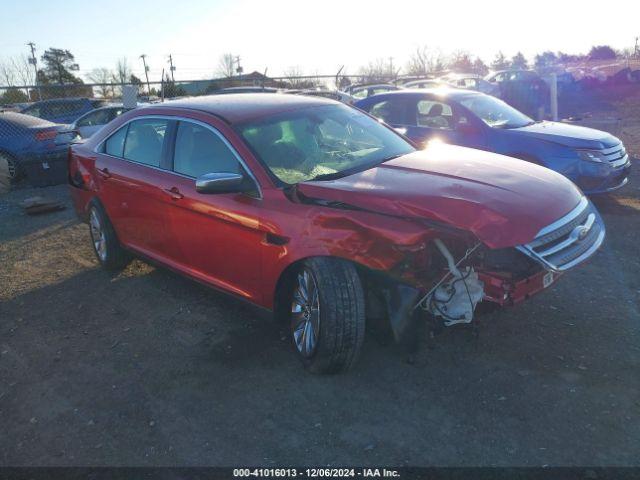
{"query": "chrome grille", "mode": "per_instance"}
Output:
(616, 155)
(568, 241)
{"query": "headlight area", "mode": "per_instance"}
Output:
(592, 156)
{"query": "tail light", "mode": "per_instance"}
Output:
(46, 135)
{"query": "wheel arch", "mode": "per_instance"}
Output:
(280, 295)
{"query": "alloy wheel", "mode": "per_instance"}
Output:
(97, 235)
(305, 314)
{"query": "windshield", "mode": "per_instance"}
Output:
(495, 113)
(321, 143)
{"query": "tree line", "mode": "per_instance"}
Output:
(59, 67)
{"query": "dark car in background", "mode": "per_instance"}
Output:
(62, 110)
(596, 161)
(27, 141)
(522, 89)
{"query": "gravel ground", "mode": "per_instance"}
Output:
(147, 368)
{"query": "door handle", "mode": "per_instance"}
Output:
(104, 172)
(173, 192)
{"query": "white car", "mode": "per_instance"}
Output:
(91, 122)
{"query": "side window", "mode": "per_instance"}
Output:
(433, 114)
(114, 112)
(114, 145)
(99, 117)
(144, 141)
(388, 111)
(360, 93)
(198, 151)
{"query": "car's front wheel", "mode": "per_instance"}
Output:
(327, 314)
(104, 240)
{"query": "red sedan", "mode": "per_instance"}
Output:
(315, 210)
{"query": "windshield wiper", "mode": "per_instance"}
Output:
(329, 176)
(350, 171)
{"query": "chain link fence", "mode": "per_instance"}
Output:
(38, 122)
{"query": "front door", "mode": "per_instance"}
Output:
(216, 237)
(434, 119)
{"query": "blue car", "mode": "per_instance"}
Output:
(24, 138)
(62, 110)
(594, 160)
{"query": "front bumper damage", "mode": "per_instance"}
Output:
(503, 277)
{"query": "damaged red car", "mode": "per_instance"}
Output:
(320, 213)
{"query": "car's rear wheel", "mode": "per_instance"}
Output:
(14, 172)
(327, 314)
(104, 240)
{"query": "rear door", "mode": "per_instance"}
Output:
(132, 167)
(216, 236)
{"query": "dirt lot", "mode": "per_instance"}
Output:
(147, 368)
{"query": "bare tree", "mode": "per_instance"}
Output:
(293, 75)
(122, 73)
(460, 62)
(376, 71)
(226, 65)
(7, 75)
(102, 75)
(424, 61)
(16, 71)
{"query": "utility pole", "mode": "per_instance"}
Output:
(636, 50)
(146, 72)
(239, 69)
(33, 61)
(172, 68)
(391, 66)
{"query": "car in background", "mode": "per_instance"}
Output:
(246, 89)
(596, 161)
(364, 91)
(522, 89)
(425, 83)
(321, 92)
(23, 137)
(14, 107)
(62, 110)
(91, 122)
(317, 211)
(471, 81)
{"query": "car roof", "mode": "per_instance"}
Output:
(449, 92)
(242, 107)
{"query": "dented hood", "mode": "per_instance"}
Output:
(502, 200)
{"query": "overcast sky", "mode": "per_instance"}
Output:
(318, 36)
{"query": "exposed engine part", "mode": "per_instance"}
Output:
(455, 296)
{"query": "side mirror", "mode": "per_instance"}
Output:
(222, 182)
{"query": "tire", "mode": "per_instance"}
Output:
(104, 240)
(14, 169)
(327, 327)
